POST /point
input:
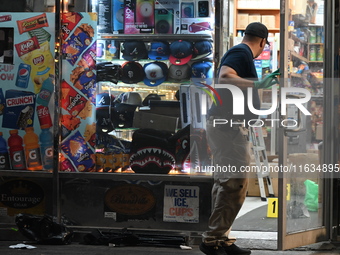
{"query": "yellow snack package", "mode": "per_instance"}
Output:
(41, 61)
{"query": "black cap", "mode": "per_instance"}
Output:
(257, 29)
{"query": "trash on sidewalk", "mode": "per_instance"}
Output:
(22, 246)
(43, 229)
(126, 238)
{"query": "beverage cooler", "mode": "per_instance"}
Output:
(96, 114)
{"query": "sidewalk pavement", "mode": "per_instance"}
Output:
(80, 249)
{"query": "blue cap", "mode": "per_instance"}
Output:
(159, 51)
(202, 72)
(155, 73)
(202, 49)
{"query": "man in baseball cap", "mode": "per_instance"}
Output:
(257, 29)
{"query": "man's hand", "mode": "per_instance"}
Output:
(268, 81)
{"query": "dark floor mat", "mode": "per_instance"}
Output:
(257, 220)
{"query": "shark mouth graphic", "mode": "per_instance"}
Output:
(147, 156)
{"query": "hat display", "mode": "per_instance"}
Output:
(107, 71)
(134, 50)
(202, 49)
(180, 52)
(104, 99)
(159, 51)
(122, 115)
(132, 72)
(150, 97)
(202, 72)
(131, 98)
(124, 108)
(179, 73)
(257, 29)
(155, 73)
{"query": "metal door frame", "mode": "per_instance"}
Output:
(288, 241)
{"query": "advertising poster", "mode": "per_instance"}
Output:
(27, 77)
(181, 204)
(78, 87)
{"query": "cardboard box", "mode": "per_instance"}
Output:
(144, 119)
(254, 18)
(242, 20)
(268, 21)
(254, 188)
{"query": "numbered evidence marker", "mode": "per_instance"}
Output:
(288, 192)
(272, 207)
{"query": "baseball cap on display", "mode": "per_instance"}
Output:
(104, 100)
(159, 51)
(132, 72)
(155, 73)
(202, 49)
(134, 50)
(202, 72)
(257, 29)
(150, 97)
(179, 73)
(131, 98)
(180, 52)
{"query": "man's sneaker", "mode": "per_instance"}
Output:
(235, 250)
(212, 250)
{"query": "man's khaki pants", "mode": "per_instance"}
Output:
(230, 150)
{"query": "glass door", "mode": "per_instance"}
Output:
(301, 145)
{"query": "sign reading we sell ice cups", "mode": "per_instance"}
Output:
(27, 75)
(181, 204)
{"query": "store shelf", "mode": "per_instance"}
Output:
(296, 75)
(152, 37)
(25, 173)
(260, 9)
(257, 9)
(299, 57)
(133, 176)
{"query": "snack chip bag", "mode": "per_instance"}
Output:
(78, 151)
(88, 59)
(41, 61)
(69, 22)
(78, 42)
(68, 124)
(71, 100)
(85, 81)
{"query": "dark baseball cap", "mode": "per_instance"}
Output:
(257, 29)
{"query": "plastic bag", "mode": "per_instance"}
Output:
(311, 197)
(43, 229)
